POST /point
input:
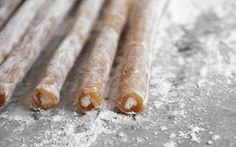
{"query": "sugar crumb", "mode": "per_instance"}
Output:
(169, 144)
(163, 128)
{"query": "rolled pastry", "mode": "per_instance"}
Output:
(47, 93)
(134, 82)
(7, 8)
(21, 58)
(16, 26)
(95, 73)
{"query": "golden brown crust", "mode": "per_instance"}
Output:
(96, 71)
(65, 55)
(2, 99)
(136, 70)
(14, 68)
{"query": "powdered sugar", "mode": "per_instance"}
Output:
(6, 9)
(15, 28)
(169, 144)
(191, 94)
(70, 48)
(41, 29)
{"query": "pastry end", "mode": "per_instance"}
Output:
(131, 103)
(43, 99)
(2, 98)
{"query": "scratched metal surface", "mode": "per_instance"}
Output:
(192, 98)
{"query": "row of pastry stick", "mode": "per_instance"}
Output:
(12, 33)
(95, 73)
(35, 37)
(47, 93)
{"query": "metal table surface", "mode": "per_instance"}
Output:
(192, 95)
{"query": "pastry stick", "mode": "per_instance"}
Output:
(7, 7)
(134, 82)
(15, 28)
(95, 73)
(21, 59)
(47, 93)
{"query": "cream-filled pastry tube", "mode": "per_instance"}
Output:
(38, 34)
(47, 93)
(7, 8)
(95, 73)
(133, 87)
(13, 31)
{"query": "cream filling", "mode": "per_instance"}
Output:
(85, 102)
(44, 101)
(130, 103)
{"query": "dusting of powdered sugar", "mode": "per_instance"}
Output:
(6, 9)
(15, 28)
(191, 95)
